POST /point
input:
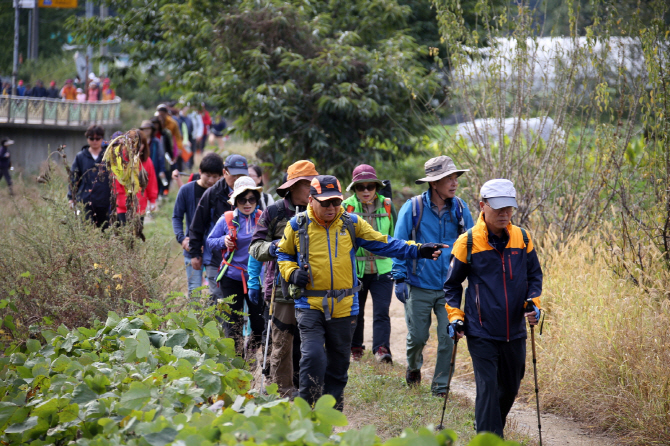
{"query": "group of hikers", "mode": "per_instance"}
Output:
(301, 268)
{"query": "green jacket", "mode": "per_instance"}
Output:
(383, 223)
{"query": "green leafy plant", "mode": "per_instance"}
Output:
(153, 380)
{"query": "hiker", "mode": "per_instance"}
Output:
(211, 171)
(212, 205)
(373, 271)
(256, 174)
(504, 286)
(6, 162)
(285, 356)
(232, 234)
(170, 124)
(162, 145)
(156, 153)
(316, 256)
(69, 91)
(435, 215)
(89, 181)
(146, 199)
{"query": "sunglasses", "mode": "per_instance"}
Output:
(328, 203)
(97, 138)
(250, 200)
(363, 187)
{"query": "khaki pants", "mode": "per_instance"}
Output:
(284, 327)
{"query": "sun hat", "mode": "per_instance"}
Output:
(364, 174)
(325, 187)
(499, 193)
(300, 170)
(438, 168)
(236, 165)
(6, 142)
(243, 184)
(146, 124)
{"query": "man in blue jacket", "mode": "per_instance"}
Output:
(439, 216)
(504, 286)
(211, 171)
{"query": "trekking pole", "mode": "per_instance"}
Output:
(267, 335)
(537, 391)
(451, 375)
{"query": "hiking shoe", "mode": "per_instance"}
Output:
(357, 353)
(440, 394)
(413, 377)
(383, 355)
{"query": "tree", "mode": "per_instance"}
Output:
(337, 81)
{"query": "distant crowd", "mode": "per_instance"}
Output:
(93, 90)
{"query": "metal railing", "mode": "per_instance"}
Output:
(58, 112)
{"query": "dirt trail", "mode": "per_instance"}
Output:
(523, 417)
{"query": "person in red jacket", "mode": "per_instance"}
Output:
(149, 195)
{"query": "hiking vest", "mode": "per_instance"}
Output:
(381, 221)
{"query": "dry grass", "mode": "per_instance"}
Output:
(604, 357)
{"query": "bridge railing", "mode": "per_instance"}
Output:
(58, 112)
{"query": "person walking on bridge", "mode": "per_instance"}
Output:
(436, 215)
(317, 257)
(504, 289)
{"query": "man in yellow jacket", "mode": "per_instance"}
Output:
(317, 256)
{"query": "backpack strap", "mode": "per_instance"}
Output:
(459, 215)
(417, 214)
(525, 237)
(348, 223)
(350, 208)
(469, 256)
(387, 207)
(280, 205)
(303, 255)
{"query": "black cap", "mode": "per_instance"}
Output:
(236, 165)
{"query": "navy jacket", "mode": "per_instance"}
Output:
(498, 284)
(184, 207)
(90, 179)
(213, 204)
(5, 159)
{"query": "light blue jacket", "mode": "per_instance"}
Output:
(430, 274)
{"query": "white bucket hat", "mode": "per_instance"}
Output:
(243, 184)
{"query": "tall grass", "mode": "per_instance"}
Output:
(604, 356)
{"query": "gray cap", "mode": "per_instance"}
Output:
(438, 168)
(499, 193)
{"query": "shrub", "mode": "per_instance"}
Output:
(158, 380)
(57, 268)
(604, 355)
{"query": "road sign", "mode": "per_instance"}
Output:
(57, 3)
(27, 4)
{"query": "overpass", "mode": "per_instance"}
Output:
(39, 125)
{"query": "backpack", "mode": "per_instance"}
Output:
(303, 259)
(417, 214)
(469, 243)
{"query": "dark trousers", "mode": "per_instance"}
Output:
(98, 215)
(4, 173)
(381, 288)
(233, 328)
(326, 348)
(499, 367)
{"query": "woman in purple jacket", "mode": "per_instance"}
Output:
(232, 235)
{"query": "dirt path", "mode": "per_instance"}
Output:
(523, 417)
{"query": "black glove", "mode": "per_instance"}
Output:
(300, 278)
(427, 250)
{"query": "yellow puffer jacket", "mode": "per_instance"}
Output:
(332, 257)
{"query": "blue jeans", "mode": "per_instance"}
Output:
(193, 277)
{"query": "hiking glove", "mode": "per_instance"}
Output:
(273, 249)
(255, 296)
(401, 290)
(456, 327)
(427, 250)
(300, 278)
(529, 306)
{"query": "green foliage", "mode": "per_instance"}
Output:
(336, 82)
(158, 380)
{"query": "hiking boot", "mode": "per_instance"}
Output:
(413, 377)
(383, 355)
(440, 394)
(357, 353)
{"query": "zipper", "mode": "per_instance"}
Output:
(502, 260)
(509, 260)
(337, 237)
(479, 310)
